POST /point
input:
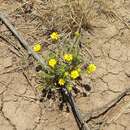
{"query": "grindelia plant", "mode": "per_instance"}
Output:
(65, 66)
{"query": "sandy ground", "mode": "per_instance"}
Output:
(110, 47)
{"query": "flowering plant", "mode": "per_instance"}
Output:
(65, 66)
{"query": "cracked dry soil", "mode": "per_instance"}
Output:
(110, 46)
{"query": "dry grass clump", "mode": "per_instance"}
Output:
(67, 15)
(60, 15)
(57, 15)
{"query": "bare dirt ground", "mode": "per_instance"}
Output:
(108, 42)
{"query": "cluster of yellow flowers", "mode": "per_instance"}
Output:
(73, 74)
(55, 37)
(76, 73)
(68, 58)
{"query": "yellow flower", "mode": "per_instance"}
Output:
(61, 82)
(69, 88)
(37, 47)
(54, 36)
(52, 63)
(91, 68)
(77, 34)
(68, 57)
(74, 74)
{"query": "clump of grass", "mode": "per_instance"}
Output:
(81, 10)
(66, 16)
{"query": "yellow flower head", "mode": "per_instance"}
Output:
(74, 74)
(61, 82)
(52, 63)
(77, 34)
(68, 57)
(54, 36)
(91, 68)
(69, 88)
(37, 47)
